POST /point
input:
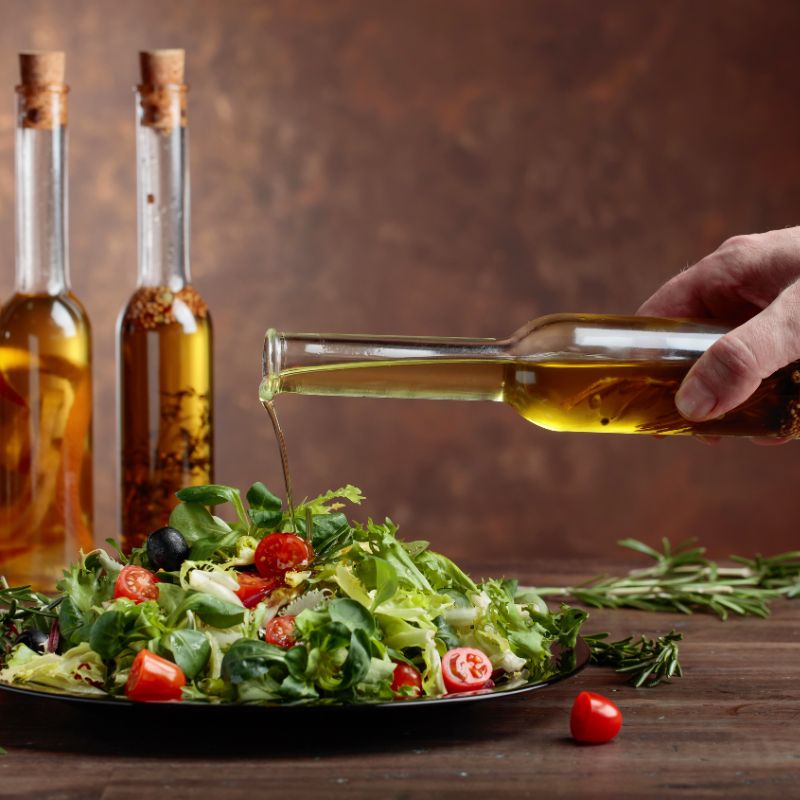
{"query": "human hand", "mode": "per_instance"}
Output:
(752, 283)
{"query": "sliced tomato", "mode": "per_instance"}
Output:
(406, 681)
(277, 553)
(466, 669)
(153, 679)
(254, 588)
(594, 719)
(137, 584)
(280, 632)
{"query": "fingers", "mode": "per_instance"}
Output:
(739, 279)
(734, 366)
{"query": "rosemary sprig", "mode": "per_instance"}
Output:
(683, 580)
(20, 604)
(648, 662)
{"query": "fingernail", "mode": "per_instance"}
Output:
(694, 401)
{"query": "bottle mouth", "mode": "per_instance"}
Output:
(271, 364)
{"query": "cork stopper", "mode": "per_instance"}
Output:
(162, 90)
(42, 68)
(43, 102)
(160, 67)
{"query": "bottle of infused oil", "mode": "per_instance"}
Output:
(164, 338)
(567, 372)
(45, 353)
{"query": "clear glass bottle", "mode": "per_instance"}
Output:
(164, 352)
(566, 372)
(45, 353)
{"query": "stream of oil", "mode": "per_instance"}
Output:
(287, 476)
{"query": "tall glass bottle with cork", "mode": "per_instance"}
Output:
(45, 353)
(164, 344)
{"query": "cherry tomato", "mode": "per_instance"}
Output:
(280, 632)
(594, 718)
(466, 669)
(153, 679)
(137, 584)
(406, 675)
(254, 588)
(278, 553)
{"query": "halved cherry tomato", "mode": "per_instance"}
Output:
(153, 679)
(280, 631)
(594, 719)
(254, 588)
(466, 669)
(277, 553)
(137, 584)
(406, 675)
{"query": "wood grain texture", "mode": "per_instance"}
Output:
(726, 729)
(447, 168)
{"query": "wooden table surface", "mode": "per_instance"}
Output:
(726, 729)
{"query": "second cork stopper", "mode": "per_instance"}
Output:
(162, 67)
(42, 89)
(162, 92)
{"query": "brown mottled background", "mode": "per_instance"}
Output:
(449, 167)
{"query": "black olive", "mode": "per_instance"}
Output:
(36, 640)
(167, 549)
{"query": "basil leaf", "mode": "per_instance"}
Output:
(215, 612)
(249, 659)
(107, 637)
(261, 498)
(352, 615)
(195, 523)
(212, 494)
(357, 664)
(190, 650)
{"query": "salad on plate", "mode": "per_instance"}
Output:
(273, 608)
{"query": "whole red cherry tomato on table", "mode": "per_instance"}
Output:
(406, 676)
(153, 679)
(277, 553)
(594, 719)
(137, 584)
(466, 669)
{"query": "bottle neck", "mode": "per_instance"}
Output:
(41, 177)
(382, 366)
(162, 186)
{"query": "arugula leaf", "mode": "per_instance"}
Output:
(330, 533)
(190, 650)
(323, 504)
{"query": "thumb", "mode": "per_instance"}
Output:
(734, 366)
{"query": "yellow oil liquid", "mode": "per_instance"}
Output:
(596, 397)
(165, 395)
(45, 430)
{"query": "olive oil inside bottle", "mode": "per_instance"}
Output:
(602, 396)
(45, 428)
(165, 391)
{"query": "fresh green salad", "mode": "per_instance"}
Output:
(276, 608)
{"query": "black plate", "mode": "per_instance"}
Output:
(566, 663)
